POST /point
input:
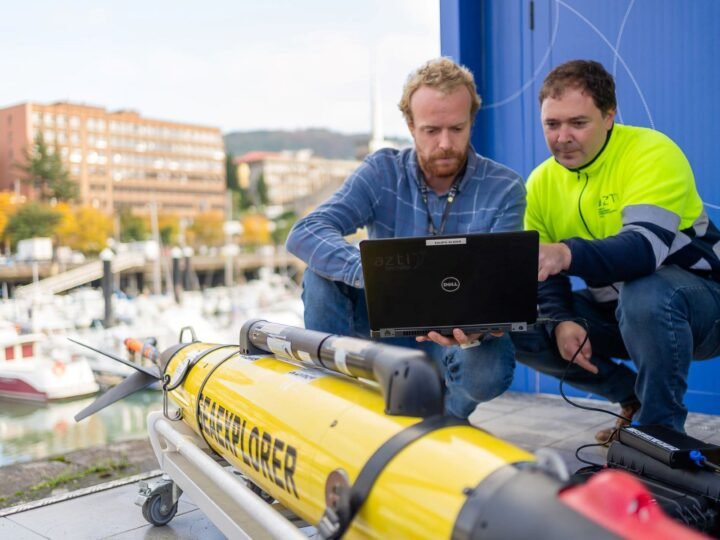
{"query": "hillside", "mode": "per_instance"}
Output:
(322, 142)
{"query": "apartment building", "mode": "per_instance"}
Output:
(118, 158)
(294, 180)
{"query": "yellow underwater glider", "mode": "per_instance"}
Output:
(349, 435)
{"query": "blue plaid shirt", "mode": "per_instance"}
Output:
(384, 195)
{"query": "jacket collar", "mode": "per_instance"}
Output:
(596, 162)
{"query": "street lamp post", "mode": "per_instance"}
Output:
(188, 252)
(176, 253)
(106, 256)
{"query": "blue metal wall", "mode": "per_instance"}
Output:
(665, 55)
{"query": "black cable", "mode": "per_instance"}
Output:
(582, 322)
(585, 461)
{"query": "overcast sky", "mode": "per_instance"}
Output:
(233, 64)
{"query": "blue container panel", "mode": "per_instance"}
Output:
(665, 56)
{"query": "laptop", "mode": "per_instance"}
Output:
(475, 282)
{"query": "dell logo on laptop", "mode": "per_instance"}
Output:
(450, 284)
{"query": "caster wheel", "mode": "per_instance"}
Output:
(154, 512)
(262, 494)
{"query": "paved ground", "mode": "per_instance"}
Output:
(528, 420)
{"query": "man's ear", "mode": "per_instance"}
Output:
(609, 118)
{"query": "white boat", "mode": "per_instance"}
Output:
(27, 374)
(108, 372)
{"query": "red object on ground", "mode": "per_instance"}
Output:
(622, 504)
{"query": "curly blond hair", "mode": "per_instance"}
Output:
(441, 74)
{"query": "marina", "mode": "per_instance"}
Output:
(45, 378)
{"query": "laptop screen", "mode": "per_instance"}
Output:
(475, 282)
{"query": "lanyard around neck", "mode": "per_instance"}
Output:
(424, 190)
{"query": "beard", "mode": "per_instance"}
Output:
(445, 164)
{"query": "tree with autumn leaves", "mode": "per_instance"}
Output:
(81, 228)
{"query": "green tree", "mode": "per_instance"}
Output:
(231, 177)
(31, 220)
(262, 191)
(242, 199)
(283, 224)
(166, 235)
(45, 172)
(132, 227)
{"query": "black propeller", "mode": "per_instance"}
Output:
(145, 376)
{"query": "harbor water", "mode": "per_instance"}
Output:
(30, 431)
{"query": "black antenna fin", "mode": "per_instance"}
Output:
(133, 383)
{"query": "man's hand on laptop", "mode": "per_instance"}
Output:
(553, 259)
(458, 338)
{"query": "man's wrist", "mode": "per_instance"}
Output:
(567, 256)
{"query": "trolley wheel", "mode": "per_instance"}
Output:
(257, 490)
(154, 512)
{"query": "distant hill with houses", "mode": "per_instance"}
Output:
(323, 142)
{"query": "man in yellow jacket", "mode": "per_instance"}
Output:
(617, 206)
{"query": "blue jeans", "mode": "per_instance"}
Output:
(471, 375)
(662, 322)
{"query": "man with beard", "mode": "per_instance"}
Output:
(617, 206)
(440, 186)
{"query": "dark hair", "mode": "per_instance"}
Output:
(586, 75)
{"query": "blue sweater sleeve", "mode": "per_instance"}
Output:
(622, 257)
(318, 238)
